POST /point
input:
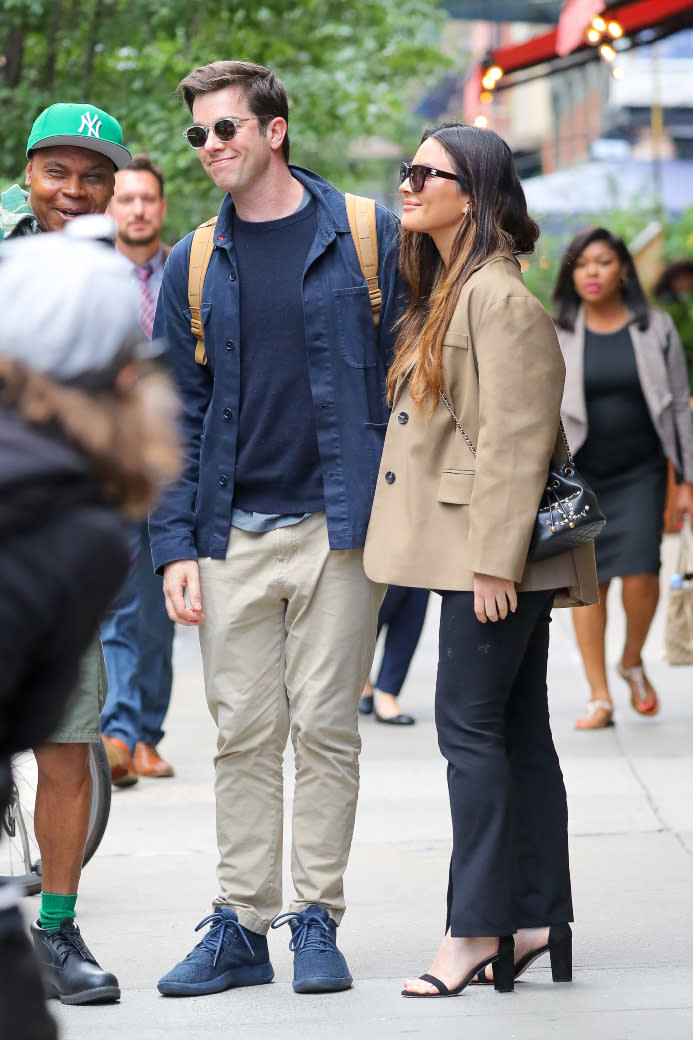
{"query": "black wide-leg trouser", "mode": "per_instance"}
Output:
(509, 866)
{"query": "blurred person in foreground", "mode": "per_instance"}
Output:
(626, 411)
(137, 636)
(73, 152)
(85, 435)
(457, 515)
(264, 532)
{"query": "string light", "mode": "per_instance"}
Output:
(481, 122)
(608, 53)
(495, 72)
(599, 24)
(618, 72)
(593, 36)
(614, 30)
(486, 97)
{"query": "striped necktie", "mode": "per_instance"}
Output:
(144, 273)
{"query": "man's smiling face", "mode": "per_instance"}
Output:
(65, 182)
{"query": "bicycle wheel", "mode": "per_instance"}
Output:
(20, 857)
(100, 799)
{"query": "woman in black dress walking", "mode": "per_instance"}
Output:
(626, 411)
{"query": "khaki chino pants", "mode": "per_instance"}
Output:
(287, 644)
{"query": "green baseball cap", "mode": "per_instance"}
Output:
(83, 126)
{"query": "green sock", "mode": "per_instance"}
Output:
(55, 908)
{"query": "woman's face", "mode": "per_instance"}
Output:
(598, 274)
(439, 208)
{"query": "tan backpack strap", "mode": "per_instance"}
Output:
(361, 214)
(200, 253)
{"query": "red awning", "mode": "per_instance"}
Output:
(633, 17)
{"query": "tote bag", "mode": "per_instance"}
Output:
(678, 635)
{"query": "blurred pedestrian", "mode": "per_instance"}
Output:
(455, 513)
(137, 636)
(73, 152)
(625, 411)
(264, 532)
(673, 291)
(402, 615)
(83, 436)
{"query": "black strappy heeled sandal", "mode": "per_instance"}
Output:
(503, 980)
(560, 948)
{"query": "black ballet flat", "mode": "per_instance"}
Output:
(396, 720)
(366, 706)
(503, 981)
(560, 949)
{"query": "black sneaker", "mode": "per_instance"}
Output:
(319, 967)
(68, 967)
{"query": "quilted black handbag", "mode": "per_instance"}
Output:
(569, 512)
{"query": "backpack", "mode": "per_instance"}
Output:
(361, 214)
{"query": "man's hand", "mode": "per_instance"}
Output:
(493, 597)
(179, 576)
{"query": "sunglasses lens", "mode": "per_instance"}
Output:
(225, 129)
(403, 172)
(196, 135)
(418, 177)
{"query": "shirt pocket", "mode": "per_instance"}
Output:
(355, 329)
(455, 486)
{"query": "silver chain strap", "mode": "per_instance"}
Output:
(471, 447)
(457, 423)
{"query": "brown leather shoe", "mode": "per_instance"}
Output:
(120, 760)
(148, 762)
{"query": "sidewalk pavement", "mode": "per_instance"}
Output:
(630, 794)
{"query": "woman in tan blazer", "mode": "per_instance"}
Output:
(626, 410)
(459, 523)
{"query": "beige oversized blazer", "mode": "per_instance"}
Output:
(439, 514)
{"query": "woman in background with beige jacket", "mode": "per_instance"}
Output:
(459, 523)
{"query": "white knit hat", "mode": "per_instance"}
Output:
(69, 308)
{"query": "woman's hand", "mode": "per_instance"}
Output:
(493, 597)
(684, 504)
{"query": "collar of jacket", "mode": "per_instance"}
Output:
(16, 217)
(332, 210)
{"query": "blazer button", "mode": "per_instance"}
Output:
(390, 477)
(403, 418)
(223, 481)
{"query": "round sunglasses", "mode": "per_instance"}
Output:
(417, 174)
(224, 130)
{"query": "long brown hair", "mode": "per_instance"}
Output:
(497, 222)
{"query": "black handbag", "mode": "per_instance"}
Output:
(568, 513)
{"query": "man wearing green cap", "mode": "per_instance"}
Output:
(73, 153)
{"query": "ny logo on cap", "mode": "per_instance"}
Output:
(90, 124)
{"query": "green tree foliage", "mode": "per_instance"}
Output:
(347, 66)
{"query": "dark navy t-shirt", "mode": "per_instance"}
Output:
(277, 460)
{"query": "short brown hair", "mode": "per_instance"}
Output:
(265, 94)
(141, 161)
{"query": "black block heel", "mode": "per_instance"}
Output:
(561, 952)
(504, 966)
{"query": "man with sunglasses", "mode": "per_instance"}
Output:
(260, 543)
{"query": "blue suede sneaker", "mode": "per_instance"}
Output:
(228, 956)
(319, 967)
